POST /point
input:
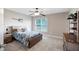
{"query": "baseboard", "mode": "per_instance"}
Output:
(53, 36)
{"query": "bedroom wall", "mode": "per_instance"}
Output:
(1, 26)
(9, 21)
(57, 24)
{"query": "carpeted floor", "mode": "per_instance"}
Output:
(46, 44)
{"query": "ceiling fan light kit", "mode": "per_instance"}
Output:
(37, 13)
(18, 19)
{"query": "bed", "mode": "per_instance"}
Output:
(27, 38)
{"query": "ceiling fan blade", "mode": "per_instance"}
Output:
(31, 11)
(30, 14)
(14, 18)
(36, 9)
(20, 19)
(42, 14)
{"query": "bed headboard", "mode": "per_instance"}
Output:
(11, 29)
(14, 30)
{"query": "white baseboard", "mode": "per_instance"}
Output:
(53, 36)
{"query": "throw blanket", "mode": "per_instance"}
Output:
(23, 37)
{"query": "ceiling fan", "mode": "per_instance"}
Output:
(37, 12)
(18, 19)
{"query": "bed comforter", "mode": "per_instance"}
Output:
(23, 37)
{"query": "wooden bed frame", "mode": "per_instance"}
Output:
(34, 40)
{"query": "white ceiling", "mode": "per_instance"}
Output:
(44, 10)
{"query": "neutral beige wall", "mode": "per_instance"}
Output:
(57, 23)
(8, 21)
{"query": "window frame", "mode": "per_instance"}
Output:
(41, 29)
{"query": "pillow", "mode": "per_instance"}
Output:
(22, 29)
(14, 30)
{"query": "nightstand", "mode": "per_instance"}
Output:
(7, 38)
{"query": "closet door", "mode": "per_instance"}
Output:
(1, 26)
(78, 26)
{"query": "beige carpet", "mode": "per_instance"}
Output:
(47, 44)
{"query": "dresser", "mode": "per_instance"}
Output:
(70, 43)
(7, 38)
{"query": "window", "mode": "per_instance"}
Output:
(41, 24)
